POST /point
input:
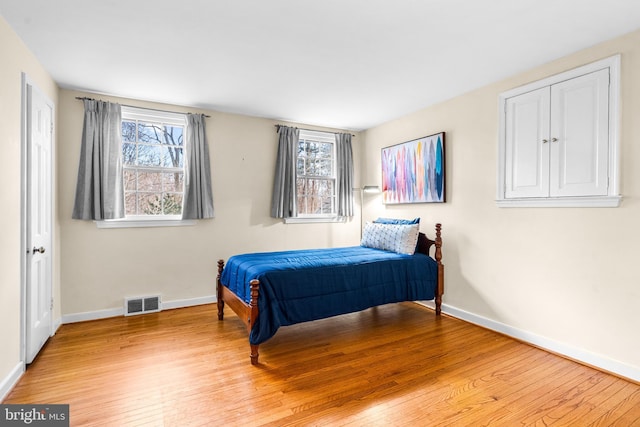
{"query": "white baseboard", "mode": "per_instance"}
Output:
(579, 355)
(429, 304)
(115, 312)
(92, 315)
(7, 383)
(167, 305)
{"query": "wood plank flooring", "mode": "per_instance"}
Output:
(394, 365)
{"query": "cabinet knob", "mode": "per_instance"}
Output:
(544, 141)
(554, 139)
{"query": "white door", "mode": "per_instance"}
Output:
(527, 145)
(39, 127)
(580, 136)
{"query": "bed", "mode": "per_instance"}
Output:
(267, 290)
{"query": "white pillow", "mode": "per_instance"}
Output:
(398, 238)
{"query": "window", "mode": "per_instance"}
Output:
(313, 179)
(316, 175)
(153, 160)
(153, 163)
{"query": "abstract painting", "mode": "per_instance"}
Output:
(413, 171)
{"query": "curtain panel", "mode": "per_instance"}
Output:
(99, 188)
(344, 174)
(198, 195)
(283, 199)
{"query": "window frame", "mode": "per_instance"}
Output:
(130, 113)
(322, 137)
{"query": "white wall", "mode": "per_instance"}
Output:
(100, 267)
(16, 59)
(564, 278)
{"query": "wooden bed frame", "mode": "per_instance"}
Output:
(249, 312)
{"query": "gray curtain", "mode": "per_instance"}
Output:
(344, 164)
(99, 189)
(198, 196)
(283, 199)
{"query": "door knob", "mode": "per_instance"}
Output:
(41, 249)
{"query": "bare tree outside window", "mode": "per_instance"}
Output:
(315, 182)
(153, 160)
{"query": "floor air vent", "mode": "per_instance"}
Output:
(141, 305)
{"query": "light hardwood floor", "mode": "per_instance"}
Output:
(395, 365)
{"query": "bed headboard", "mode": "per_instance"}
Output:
(425, 243)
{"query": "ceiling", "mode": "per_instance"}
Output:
(347, 64)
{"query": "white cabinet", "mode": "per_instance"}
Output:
(558, 140)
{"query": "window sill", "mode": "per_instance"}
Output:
(143, 223)
(311, 220)
(562, 202)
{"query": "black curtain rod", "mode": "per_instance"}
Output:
(82, 98)
(311, 130)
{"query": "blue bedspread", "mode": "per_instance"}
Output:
(303, 285)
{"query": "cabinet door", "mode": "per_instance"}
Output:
(526, 144)
(579, 136)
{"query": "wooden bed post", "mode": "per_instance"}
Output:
(247, 313)
(440, 290)
(253, 315)
(219, 291)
